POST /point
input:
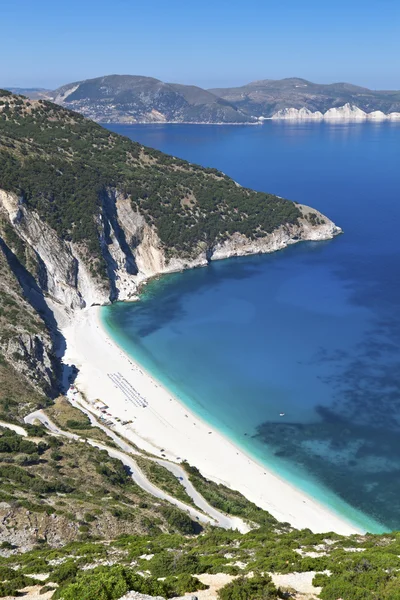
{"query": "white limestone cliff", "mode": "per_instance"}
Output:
(347, 112)
(298, 114)
(132, 251)
(65, 92)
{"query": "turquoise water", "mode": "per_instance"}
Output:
(312, 331)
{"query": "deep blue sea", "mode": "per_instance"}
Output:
(312, 331)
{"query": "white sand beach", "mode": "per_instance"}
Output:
(162, 425)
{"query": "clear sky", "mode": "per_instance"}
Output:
(208, 43)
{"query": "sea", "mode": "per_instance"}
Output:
(294, 356)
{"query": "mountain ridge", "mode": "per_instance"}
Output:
(142, 99)
(267, 97)
(136, 98)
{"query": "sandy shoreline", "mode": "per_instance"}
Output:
(164, 424)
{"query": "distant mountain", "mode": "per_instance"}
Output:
(33, 93)
(267, 97)
(136, 99)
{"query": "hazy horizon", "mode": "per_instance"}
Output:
(172, 81)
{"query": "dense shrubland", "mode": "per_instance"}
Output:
(358, 567)
(62, 164)
(112, 583)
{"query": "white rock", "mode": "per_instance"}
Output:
(295, 114)
(377, 115)
(347, 112)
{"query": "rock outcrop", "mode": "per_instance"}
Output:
(298, 114)
(33, 357)
(25, 341)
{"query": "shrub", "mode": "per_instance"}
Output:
(254, 588)
(186, 583)
(74, 424)
(66, 572)
(172, 563)
(179, 521)
(12, 581)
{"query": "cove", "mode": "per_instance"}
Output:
(311, 332)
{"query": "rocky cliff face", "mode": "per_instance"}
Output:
(25, 340)
(32, 356)
(132, 251)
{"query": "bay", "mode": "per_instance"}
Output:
(311, 332)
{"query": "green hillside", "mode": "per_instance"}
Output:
(62, 163)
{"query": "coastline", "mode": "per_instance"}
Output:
(166, 426)
(259, 122)
(296, 116)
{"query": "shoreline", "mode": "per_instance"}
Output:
(262, 120)
(177, 123)
(166, 427)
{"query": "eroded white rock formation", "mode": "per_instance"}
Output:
(347, 112)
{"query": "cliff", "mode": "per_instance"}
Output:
(68, 283)
(347, 112)
(26, 344)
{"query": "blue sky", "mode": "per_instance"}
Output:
(208, 43)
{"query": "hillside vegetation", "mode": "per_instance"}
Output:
(355, 568)
(96, 535)
(73, 491)
(62, 164)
